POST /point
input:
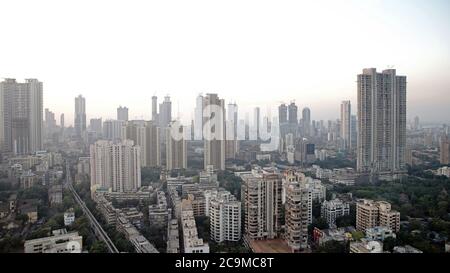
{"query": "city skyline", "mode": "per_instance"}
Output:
(299, 55)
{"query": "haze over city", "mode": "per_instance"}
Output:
(254, 53)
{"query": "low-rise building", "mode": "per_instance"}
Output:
(366, 247)
(69, 217)
(343, 234)
(55, 194)
(192, 244)
(379, 233)
(331, 210)
(173, 240)
(60, 242)
(406, 249)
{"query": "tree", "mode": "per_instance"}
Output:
(319, 223)
(333, 247)
(389, 244)
(98, 247)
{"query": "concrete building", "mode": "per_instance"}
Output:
(214, 144)
(345, 132)
(331, 210)
(173, 240)
(176, 150)
(21, 122)
(192, 244)
(371, 214)
(379, 233)
(343, 234)
(444, 155)
(381, 123)
(159, 214)
(60, 242)
(115, 166)
(261, 197)
(366, 247)
(298, 215)
(69, 217)
(80, 116)
(113, 130)
(122, 113)
(225, 218)
(306, 122)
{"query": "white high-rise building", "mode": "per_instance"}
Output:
(21, 119)
(261, 198)
(225, 218)
(298, 215)
(115, 166)
(122, 113)
(346, 125)
(381, 123)
(214, 144)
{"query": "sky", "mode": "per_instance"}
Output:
(254, 53)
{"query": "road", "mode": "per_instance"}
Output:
(95, 225)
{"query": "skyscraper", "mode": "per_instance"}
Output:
(176, 150)
(198, 119)
(122, 113)
(61, 121)
(256, 123)
(21, 122)
(282, 113)
(80, 116)
(381, 122)
(346, 125)
(293, 109)
(154, 108)
(232, 118)
(306, 121)
(115, 166)
(214, 144)
(50, 122)
(165, 112)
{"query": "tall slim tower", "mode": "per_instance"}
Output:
(176, 151)
(346, 124)
(214, 148)
(165, 112)
(293, 109)
(21, 122)
(257, 122)
(306, 119)
(154, 108)
(381, 122)
(282, 113)
(80, 116)
(198, 119)
(61, 121)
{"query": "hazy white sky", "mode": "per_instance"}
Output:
(256, 53)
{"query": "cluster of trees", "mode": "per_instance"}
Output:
(150, 175)
(230, 182)
(340, 161)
